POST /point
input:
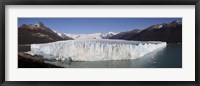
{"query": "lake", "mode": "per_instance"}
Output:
(168, 57)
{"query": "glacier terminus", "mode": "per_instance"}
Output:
(95, 49)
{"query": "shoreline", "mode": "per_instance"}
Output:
(27, 61)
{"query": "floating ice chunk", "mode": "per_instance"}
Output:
(96, 49)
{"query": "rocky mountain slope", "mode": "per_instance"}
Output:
(37, 33)
(171, 33)
(125, 35)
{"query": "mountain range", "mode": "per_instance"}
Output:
(170, 33)
(39, 33)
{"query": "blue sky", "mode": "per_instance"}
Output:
(94, 25)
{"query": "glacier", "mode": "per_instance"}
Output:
(95, 49)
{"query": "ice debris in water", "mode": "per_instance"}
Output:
(96, 49)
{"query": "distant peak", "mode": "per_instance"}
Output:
(40, 24)
(155, 26)
(36, 26)
(111, 33)
(175, 21)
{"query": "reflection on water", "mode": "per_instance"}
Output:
(168, 57)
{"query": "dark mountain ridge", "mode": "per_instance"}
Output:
(38, 33)
(125, 35)
(170, 33)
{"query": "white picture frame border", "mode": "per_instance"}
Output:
(186, 73)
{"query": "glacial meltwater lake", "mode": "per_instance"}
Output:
(168, 57)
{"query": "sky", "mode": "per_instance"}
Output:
(95, 25)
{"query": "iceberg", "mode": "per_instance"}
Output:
(95, 49)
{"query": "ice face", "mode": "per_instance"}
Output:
(96, 50)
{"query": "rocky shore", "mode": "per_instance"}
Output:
(27, 61)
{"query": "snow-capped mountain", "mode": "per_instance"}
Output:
(62, 35)
(87, 36)
(84, 36)
(167, 32)
(37, 33)
(108, 35)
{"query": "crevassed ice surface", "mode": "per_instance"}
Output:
(96, 50)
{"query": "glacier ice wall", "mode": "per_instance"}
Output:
(96, 50)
